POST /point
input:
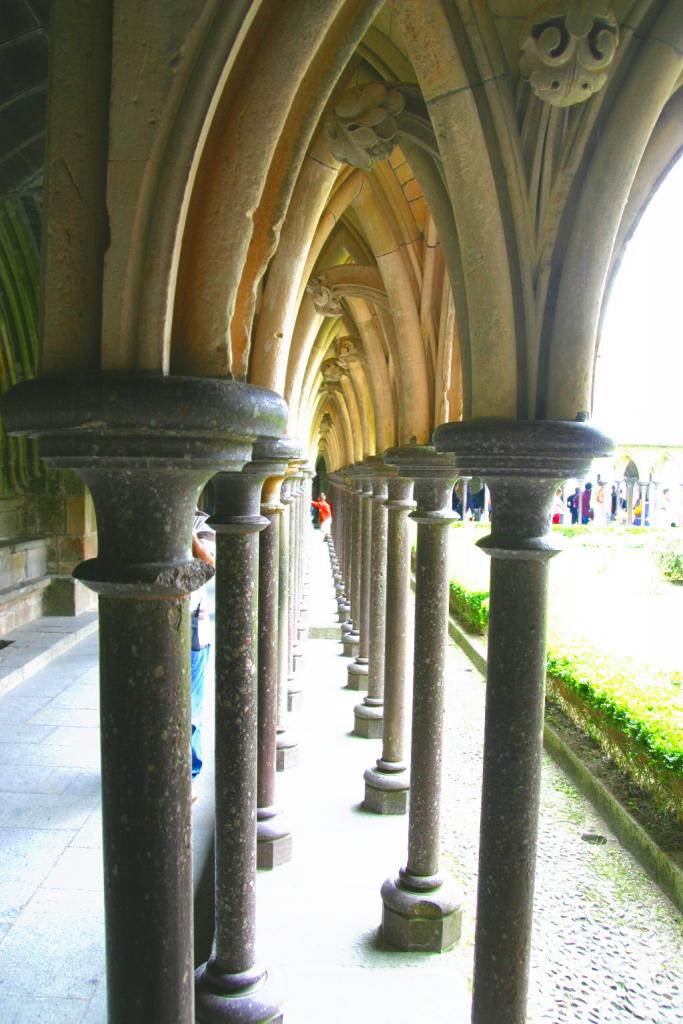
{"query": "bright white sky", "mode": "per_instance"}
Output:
(639, 382)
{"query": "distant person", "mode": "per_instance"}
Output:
(614, 500)
(586, 504)
(574, 504)
(324, 510)
(558, 507)
(663, 513)
(203, 547)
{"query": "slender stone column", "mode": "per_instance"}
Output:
(422, 905)
(368, 714)
(523, 462)
(357, 672)
(145, 466)
(387, 783)
(232, 985)
(273, 837)
(287, 755)
(294, 692)
(351, 638)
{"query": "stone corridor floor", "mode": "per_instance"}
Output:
(607, 947)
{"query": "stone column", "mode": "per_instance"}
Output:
(387, 783)
(368, 714)
(294, 692)
(145, 467)
(287, 750)
(273, 837)
(351, 638)
(629, 501)
(421, 906)
(343, 598)
(523, 462)
(232, 985)
(357, 672)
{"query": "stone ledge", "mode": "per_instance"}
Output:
(34, 646)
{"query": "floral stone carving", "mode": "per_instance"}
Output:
(325, 298)
(568, 47)
(363, 127)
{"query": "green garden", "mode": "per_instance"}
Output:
(614, 641)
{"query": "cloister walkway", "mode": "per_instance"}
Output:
(607, 943)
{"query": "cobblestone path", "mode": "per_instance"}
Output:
(607, 944)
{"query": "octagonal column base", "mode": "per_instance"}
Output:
(368, 719)
(246, 998)
(273, 839)
(350, 641)
(295, 698)
(357, 676)
(286, 753)
(387, 790)
(425, 919)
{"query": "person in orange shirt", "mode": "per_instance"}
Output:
(325, 512)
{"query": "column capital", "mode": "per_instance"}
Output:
(523, 462)
(273, 454)
(433, 474)
(145, 445)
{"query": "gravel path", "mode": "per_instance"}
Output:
(607, 944)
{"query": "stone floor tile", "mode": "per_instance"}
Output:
(22, 733)
(55, 949)
(81, 737)
(33, 778)
(90, 834)
(85, 695)
(45, 810)
(18, 1009)
(78, 869)
(26, 858)
(15, 708)
(52, 756)
(75, 716)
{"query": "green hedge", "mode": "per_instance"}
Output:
(472, 609)
(650, 711)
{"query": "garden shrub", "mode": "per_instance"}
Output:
(669, 561)
(471, 608)
(643, 703)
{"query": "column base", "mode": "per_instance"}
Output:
(286, 753)
(245, 998)
(302, 633)
(350, 644)
(387, 792)
(357, 676)
(295, 699)
(368, 720)
(273, 839)
(427, 919)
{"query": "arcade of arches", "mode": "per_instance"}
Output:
(273, 232)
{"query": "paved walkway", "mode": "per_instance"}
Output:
(607, 944)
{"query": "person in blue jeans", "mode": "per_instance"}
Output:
(203, 546)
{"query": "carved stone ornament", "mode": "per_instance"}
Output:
(326, 300)
(332, 371)
(568, 46)
(363, 127)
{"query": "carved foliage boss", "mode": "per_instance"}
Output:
(363, 127)
(568, 46)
